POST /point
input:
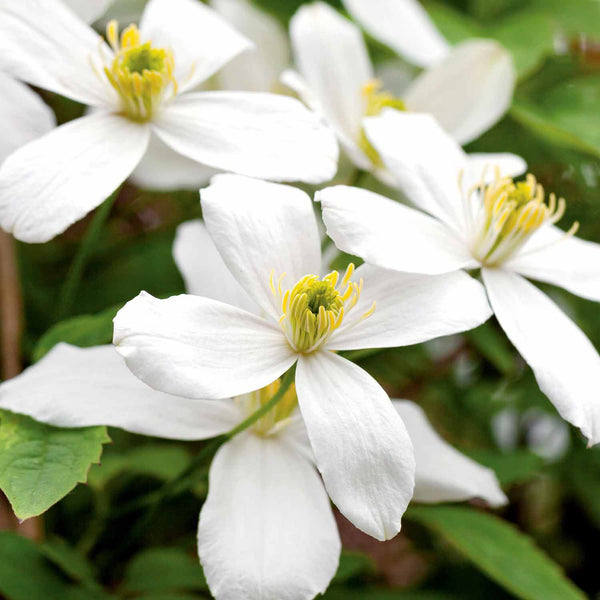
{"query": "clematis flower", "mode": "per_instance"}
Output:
(198, 347)
(266, 529)
(480, 219)
(139, 87)
(467, 93)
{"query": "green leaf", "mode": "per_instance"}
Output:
(71, 562)
(500, 550)
(164, 570)
(84, 331)
(40, 464)
(352, 565)
(509, 468)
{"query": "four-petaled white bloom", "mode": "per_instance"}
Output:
(481, 219)
(468, 92)
(198, 347)
(140, 90)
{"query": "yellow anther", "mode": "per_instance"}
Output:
(313, 308)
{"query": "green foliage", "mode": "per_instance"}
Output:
(499, 550)
(40, 464)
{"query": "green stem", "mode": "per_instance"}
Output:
(77, 268)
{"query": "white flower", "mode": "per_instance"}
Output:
(88, 10)
(468, 92)
(480, 219)
(201, 348)
(140, 90)
(266, 529)
(23, 116)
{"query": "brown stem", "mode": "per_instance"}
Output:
(11, 322)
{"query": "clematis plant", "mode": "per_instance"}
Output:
(139, 86)
(480, 219)
(467, 93)
(198, 347)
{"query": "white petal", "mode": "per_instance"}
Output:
(88, 10)
(44, 43)
(332, 57)
(56, 180)
(361, 446)
(266, 529)
(201, 41)
(404, 26)
(565, 363)
(482, 166)
(79, 387)
(390, 235)
(199, 348)
(570, 263)
(410, 309)
(262, 228)
(260, 135)
(23, 116)
(469, 91)
(258, 70)
(163, 169)
(203, 269)
(444, 474)
(424, 161)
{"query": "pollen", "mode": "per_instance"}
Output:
(313, 308)
(376, 99)
(509, 214)
(142, 76)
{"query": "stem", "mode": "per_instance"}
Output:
(82, 257)
(10, 308)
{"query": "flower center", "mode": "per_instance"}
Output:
(507, 214)
(141, 75)
(313, 308)
(279, 416)
(376, 100)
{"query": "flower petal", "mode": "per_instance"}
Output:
(47, 45)
(424, 161)
(261, 229)
(203, 269)
(570, 263)
(163, 169)
(469, 91)
(266, 529)
(260, 135)
(444, 474)
(199, 348)
(201, 40)
(23, 115)
(390, 235)
(56, 180)
(332, 57)
(481, 165)
(79, 387)
(88, 10)
(404, 26)
(565, 363)
(410, 309)
(259, 70)
(360, 444)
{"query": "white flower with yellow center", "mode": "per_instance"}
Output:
(480, 218)
(140, 88)
(467, 92)
(198, 347)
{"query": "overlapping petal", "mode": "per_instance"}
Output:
(201, 40)
(261, 229)
(199, 348)
(443, 474)
(50, 183)
(361, 446)
(469, 91)
(260, 135)
(77, 387)
(565, 363)
(266, 529)
(410, 309)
